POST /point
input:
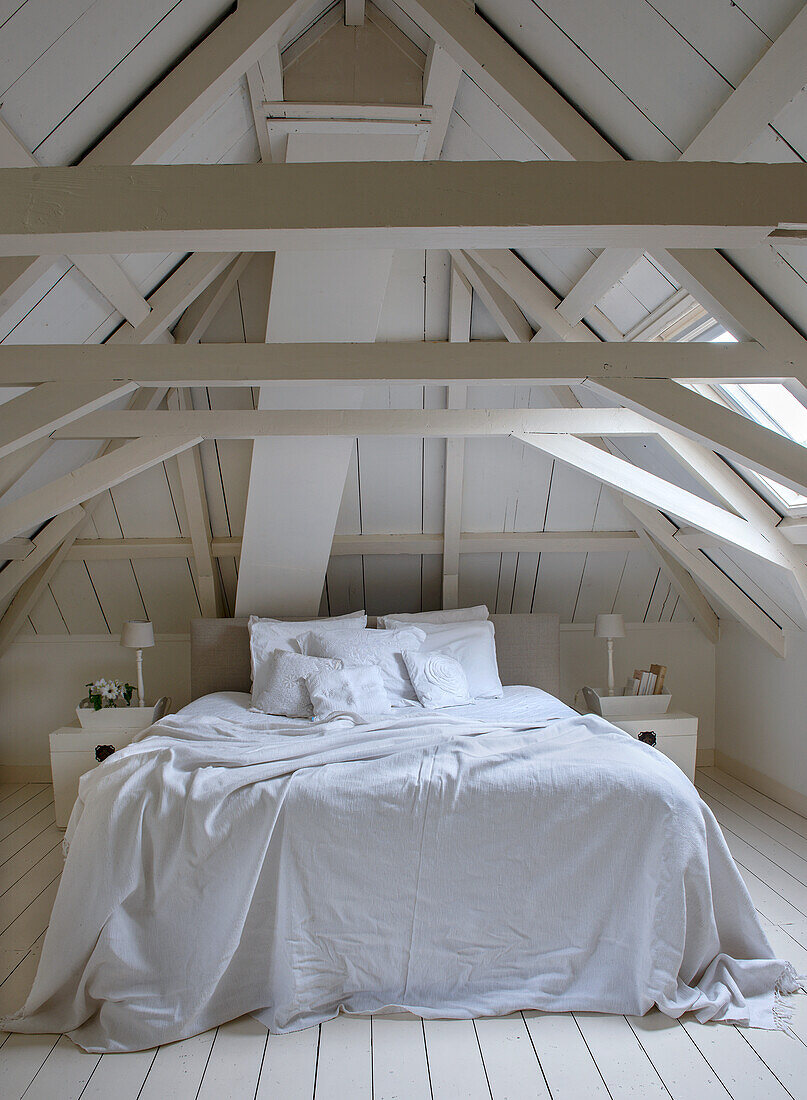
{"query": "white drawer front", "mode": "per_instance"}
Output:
(676, 737)
(67, 769)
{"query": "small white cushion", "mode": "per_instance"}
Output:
(382, 648)
(458, 615)
(358, 691)
(474, 646)
(279, 686)
(438, 678)
(267, 635)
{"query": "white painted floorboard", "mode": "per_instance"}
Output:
(526, 1056)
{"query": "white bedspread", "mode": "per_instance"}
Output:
(456, 863)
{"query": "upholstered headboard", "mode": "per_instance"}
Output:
(527, 647)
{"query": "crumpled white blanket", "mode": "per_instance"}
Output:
(443, 862)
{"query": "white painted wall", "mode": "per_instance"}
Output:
(762, 711)
(42, 678)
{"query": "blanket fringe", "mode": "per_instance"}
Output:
(788, 983)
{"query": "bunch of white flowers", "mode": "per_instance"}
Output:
(108, 693)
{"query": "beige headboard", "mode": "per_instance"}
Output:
(527, 647)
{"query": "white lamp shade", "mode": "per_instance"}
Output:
(609, 626)
(137, 634)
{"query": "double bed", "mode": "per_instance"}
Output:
(509, 854)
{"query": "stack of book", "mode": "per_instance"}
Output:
(646, 681)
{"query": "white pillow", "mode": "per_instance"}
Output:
(458, 615)
(359, 692)
(382, 648)
(267, 635)
(438, 679)
(474, 646)
(279, 686)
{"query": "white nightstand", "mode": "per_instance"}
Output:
(72, 753)
(676, 735)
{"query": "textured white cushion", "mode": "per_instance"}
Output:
(382, 648)
(458, 615)
(358, 691)
(267, 635)
(438, 678)
(279, 686)
(474, 646)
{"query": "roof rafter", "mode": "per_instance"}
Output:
(724, 430)
(649, 489)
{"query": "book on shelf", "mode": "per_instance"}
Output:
(646, 681)
(660, 672)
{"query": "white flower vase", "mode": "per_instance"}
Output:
(114, 718)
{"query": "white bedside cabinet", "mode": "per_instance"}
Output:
(676, 735)
(72, 753)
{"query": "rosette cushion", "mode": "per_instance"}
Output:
(438, 678)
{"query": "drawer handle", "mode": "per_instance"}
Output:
(648, 736)
(103, 751)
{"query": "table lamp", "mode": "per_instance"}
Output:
(138, 634)
(610, 627)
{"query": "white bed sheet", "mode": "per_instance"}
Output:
(507, 855)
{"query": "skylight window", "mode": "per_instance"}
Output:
(773, 406)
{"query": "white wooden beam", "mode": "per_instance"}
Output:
(714, 580)
(108, 277)
(777, 77)
(729, 487)
(198, 82)
(653, 490)
(706, 274)
(684, 584)
(253, 424)
(549, 363)
(42, 410)
(43, 545)
(440, 82)
(605, 272)
(507, 78)
(180, 99)
(459, 331)
(354, 13)
(193, 493)
(437, 204)
(535, 299)
(256, 98)
(484, 542)
(57, 496)
(195, 321)
(795, 530)
(171, 299)
(722, 429)
(29, 592)
(105, 274)
(20, 462)
(500, 305)
(15, 549)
